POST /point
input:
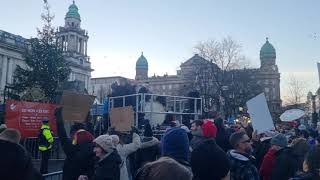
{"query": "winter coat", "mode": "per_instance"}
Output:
(287, 164)
(80, 158)
(267, 165)
(124, 151)
(16, 163)
(209, 161)
(260, 148)
(242, 166)
(196, 141)
(306, 176)
(108, 168)
(222, 139)
(148, 152)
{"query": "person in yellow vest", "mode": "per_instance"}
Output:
(45, 144)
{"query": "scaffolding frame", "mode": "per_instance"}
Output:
(178, 106)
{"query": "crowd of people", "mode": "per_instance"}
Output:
(208, 150)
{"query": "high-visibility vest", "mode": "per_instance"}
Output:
(45, 138)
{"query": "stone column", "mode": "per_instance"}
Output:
(86, 48)
(3, 72)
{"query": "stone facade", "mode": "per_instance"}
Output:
(72, 38)
(12, 48)
(74, 41)
(101, 87)
(267, 77)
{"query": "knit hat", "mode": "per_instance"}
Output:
(175, 144)
(82, 136)
(209, 161)
(279, 140)
(147, 130)
(105, 142)
(209, 129)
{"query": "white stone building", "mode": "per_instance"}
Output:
(73, 39)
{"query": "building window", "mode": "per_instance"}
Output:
(163, 87)
(266, 90)
(170, 86)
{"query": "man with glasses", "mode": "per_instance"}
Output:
(242, 162)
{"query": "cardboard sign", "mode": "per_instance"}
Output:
(75, 106)
(27, 116)
(122, 118)
(260, 114)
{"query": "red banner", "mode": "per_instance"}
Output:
(27, 116)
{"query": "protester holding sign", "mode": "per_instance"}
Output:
(80, 157)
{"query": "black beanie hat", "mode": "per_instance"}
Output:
(147, 130)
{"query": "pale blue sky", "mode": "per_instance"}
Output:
(167, 30)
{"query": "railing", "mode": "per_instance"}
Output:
(53, 176)
(32, 144)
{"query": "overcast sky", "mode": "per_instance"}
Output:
(167, 30)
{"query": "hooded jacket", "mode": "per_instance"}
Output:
(242, 166)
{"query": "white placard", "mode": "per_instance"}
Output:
(260, 115)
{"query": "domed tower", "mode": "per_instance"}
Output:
(268, 56)
(72, 18)
(74, 40)
(141, 68)
(269, 78)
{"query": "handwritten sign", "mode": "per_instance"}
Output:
(122, 118)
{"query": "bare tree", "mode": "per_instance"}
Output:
(296, 90)
(212, 78)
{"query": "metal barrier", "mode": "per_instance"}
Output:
(53, 176)
(31, 145)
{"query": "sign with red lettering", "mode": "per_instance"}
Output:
(27, 116)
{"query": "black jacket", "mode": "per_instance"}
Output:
(260, 148)
(306, 176)
(222, 139)
(16, 163)
(108, 168)
(287, 164)
(209, 161)
(80, 158)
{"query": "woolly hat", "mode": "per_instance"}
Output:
(209, 161)
(209, 129)
(147, 130)
(82, 136)
(279, 140)
(175, 144)
(105, 142)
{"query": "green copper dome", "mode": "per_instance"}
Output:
(142, 62)
(267, 50)
(73, 12)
